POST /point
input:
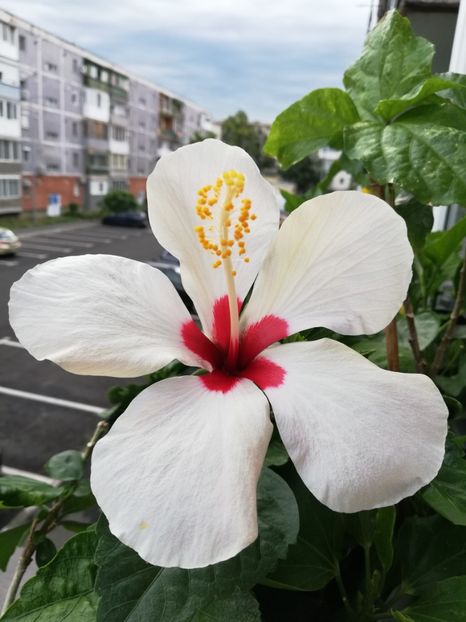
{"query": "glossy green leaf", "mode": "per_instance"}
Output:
(419, 219)
(314, 121)
(440, 245)
(45, 552)
(65, 466)
(9, 540)
(423, 151)
(389, 108)
(81, 499)
(276, 453)
(429, 550)
(63, 589)
(458, 95)
(18, 491)
(445, 601)
(238, 607)
(427, 327)
(393, 63)
(454, 385)
(132, 590)
(313, 561)
(383, 535)
(447, 493)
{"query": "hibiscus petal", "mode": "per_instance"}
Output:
(359, 436)
(100, 315)
(172, 194)
(177, 474)
(341, 260)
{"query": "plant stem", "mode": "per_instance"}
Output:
(454, 315)
(391, 344)
(342, 590)
(367, 574)
(413, 339)
(49, 523)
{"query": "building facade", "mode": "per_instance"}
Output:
(74, 126)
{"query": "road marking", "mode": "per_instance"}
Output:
(91, 238)
(116, 236)
(8, 264)
(33, 255)
(46, 399)
(6, 470)
(42, 247)
(55, 229)
(7, 341)
(60, 239)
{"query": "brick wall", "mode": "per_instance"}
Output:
(136, 185)
(69, 187)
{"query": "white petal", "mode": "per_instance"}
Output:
(341, 260)
(359, 436)
(177, 474)
(100, 315)
(172, 194)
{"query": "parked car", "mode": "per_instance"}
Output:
(170, 266)
(9, 242)
(126, 219)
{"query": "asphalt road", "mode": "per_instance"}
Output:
(43, 409)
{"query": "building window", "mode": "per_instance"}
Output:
(8, 33)
(93, 71)
(99, 100)
(22, 43)
(52, 102)
(74, 129)
(10, 110)
(76, 67)
(119, 161)
(52, 166)
(9, 150)
(52, 67)
(26, 154)
(119, 184)
(76, 159)
(118, 133)
(74, 97)
(142, 147)
(9, 188)
(51, 134)
(25, 120)
(103, 75)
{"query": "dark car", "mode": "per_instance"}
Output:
(126, 219)
(170, 266)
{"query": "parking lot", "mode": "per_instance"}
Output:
(43, 409)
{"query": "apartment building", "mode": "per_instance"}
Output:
(74, 126)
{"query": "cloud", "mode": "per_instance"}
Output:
(259, 55)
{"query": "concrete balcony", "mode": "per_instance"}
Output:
(9, 91)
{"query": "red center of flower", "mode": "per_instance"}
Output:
(246, 362)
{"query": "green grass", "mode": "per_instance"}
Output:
(25, 221)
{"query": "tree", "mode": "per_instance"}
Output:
(119, 201)
(238, 130)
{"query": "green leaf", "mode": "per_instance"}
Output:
(314, 121)
(454, 385)
(427, 327)
(445, 601)
(9, 540)
(428, 550)
(276, 453)
(419, 219)
(446, 494)
(456, 96)
(132, 590)
(81, 499)
(45, 552)
(423, 151)
(393, 63)
(383, 535)
(66, 466)
(238, 607)
(440, 245)
(313, 561)
(63, 589)
(18, 491)
(74, 526)
(389, 108)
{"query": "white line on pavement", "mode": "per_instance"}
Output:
(8, 264)
(91, 238)
(104, 234)
(7, 341)
(42, 247)
(96, 410)
(60, 239)
(33, 255)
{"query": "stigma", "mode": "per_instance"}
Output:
(227, 219)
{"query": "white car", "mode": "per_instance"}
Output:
(9, 242)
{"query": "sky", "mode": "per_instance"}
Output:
(256, 55)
